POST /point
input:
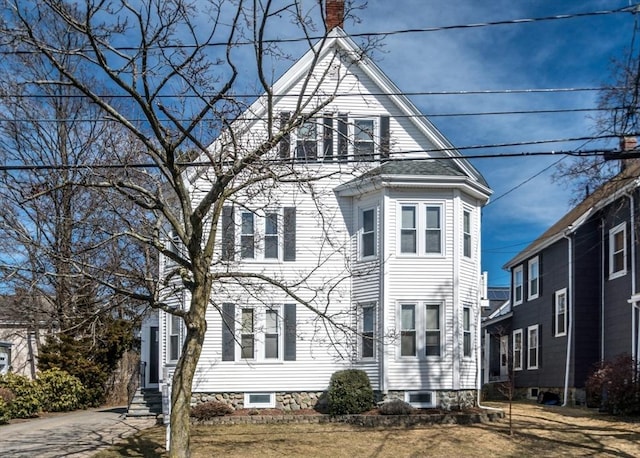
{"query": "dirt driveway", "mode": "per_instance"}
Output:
(74, 434)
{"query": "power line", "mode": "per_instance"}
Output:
(629, 9)
(300, 161)
(427, 115)
(337, 95)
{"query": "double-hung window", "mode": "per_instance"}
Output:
(517, 350)
(560, 312)
(368, 233)
(247, 336)
(432, 330)
(265, 235)
(174, 337)
(307, 141)
(363, 139)
(533, 346)
(271, 239)
(408, 336)
(408, 231)
(247, 235)
(466, 332)
(534, 278)
(466, 233)
(272, 334)
(421, 229)
(433, 231)
(618, 251)
(517, 285)
(421, 329)
(367, 331)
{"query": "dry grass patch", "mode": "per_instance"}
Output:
(539, 431)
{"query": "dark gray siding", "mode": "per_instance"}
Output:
(617, 291)
(587, 262)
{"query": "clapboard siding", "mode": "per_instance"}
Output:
(327, 270)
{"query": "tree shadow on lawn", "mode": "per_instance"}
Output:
(554, 430)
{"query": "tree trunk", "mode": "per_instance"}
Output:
(179, 438)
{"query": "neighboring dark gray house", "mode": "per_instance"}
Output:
(574, 295)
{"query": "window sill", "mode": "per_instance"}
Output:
(614, 275)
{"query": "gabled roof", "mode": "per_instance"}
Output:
(338, 42)
(605, 194)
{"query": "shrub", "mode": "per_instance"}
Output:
(349, 392)
(395, 407)
(614, 386)
(60, 391)
(210, 409)
(5, 414)
(26, 402)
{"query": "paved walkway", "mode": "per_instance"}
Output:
(75, 434)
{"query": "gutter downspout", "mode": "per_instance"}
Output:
(382, 308)
(570, 304)
(632, 229)
(602, 278)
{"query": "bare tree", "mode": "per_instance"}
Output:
(173, 74)
(619, 117)
(50, 217)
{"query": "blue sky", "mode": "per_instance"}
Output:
(568, 53)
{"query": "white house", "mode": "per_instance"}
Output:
(383, 252)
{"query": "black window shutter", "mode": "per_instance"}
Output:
(289, 332)
(384, 137)
(228, 234)
(285, 143)
(289, 234)
(343, 137)
(328, 138)
(228, 332)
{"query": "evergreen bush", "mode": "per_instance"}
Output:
(26, 403)
(60, 391)
(349, 392)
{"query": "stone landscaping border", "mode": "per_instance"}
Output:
(460, 418)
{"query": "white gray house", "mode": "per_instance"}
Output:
(388, 242)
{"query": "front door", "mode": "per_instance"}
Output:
(154, 352)
(504, 357)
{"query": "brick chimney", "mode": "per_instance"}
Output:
(627, 145)
(334, 16)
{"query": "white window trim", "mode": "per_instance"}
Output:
(361, 308)
(361, 234)
(622, 227)
(519, 361)
(421, 228)
(171, 333)
(469, 212)
(259, 233)
(530, 264)
(517, 270)
(257, 405)
(537, 347)
(420, 329)
(469, 332)
(557, 294)
(441, 229)
(259, 335)
(352, 136)
(419, 405)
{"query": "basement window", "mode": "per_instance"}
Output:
(260, 400)
(420, 399)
